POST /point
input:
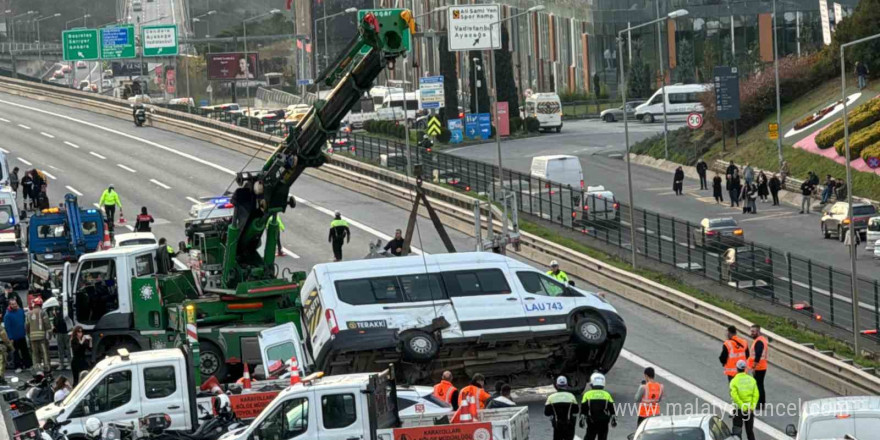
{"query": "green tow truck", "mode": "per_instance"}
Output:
(132, 298)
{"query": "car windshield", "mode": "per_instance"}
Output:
(749, 254)
(138, 241)
(722, 223)
(84, 386)
(430, 397)
(673, 433)
(864, 210)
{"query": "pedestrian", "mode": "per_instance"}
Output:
(503, 400)
(62, 389)
(806, 195)
(38, 326)
(62, 339)
(841, 191)
(597, 409)
(80, 344)
(556, 273)
(732, 169)
(763, 190)
(744, 393)
(339, 233)
(110, 200)
(752, 197)
(648, 396)
(446, 391)
(828, 190)
(735, 190)
(14, 321)
(849, 238)
(701, 171)
(6, 349)
(476, 390)
(143, 221)
(744, 197)
(814, 179)
(13, 180)
(279, 248)
(862, 72)
(748, 174)
(775, 185)
(27, 187)
(783, 173)
(733, 350)
(678, 181)
(395, 245)
(163, 243)
(716, 188)
(562, 408)
(757, 362)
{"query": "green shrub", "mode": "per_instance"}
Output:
(859, 140)
(872, 150)
(863, 116)
(532, 125)
(516, 125)
(445, 135)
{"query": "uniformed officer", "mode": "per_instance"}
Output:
(597, 409)
(744, 393)
(562, 408)
(5, 348)
(556, 273)
(339, 232)
(446, 391)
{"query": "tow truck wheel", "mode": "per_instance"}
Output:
(419, 346)
(211, 362)
(590, 330)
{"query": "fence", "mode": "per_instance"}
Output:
(587, 109)
(779, 277)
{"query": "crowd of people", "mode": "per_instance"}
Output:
(33, 188)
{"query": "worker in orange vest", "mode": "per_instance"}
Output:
(757, 362)
(648, 395)
(734, 349)
(445, 391)
(475, 389)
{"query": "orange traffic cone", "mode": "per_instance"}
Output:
(294, 371)
(246, 379)
(463, 414)
(106, 243)
(121, 217)
(473, 407)
(212, 385)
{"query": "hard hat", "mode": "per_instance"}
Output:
(561, 381)
(554, 263)
(741, 365)
(597, 380)
(38, 301)
(93, 427)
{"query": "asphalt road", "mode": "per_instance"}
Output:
(84, 152)
(780, 227)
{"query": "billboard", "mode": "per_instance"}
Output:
(231, 66)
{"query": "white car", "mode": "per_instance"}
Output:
(135, 239)
(855, 417)
(212, 207)
(412, 401)
(81, 65)
(692, 427)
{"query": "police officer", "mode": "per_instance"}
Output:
(562, 408)
(597, 409)
(110, 200)
(339, 232)
(143, 221)
(556, 273)
(279, 250)
(744, 393)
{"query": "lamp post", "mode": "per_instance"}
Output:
(12, 48)
(247, 59)
(324, 19)
(622, 87)
(40, 43)
(663, 86)
(776, 74)
(83, 18)
(849, 193)
(194, 21)
(198, 19)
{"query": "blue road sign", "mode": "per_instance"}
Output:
(304, 82)
(454, 126)
(471, 126)
(431, 80)
(485, 125)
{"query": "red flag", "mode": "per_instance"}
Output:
(289, 3)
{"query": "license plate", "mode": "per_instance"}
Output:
(5, 260)
(727, 234)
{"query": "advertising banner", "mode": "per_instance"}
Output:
(231, 66)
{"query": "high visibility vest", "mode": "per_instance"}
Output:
(444, 391)
(649, 406)
(762, 364)
(473, 390)
(559, 276)
(36, 328)
(736, 351)
(338, 222)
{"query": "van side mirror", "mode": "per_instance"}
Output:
(790, 431)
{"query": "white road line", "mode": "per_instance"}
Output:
(160, 184)
(722, 404)
(25, 161)
(191, 199)
(4, 150)
(863, 305)
(4, 120)
(49, 175)
(130, 170)
(73, 190)
(97, 205)
(130, 227)
(179, 265)
(96, 155)
(289, 253)
(50, 136)
(24, 126)
(71, 144)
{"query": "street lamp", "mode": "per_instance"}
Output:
(197, 19)
(12, 48)
(849, 193)
(622, 87)
(673, 14)
(247, 59)
(40, 43)
(324, 19)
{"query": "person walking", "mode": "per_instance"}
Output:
(744, 394)
(475, 389)
(395, 245)
(597, 409)
(13, 180)
(556, 273)
(279, 248)
(748, 174)
(6, 349)
(14, 322)
(27, 188)
(678, 181)
(62, 389)
(716, 189)
(763, 190)
(38, 327)
(752, 197)
(503, 400)
(735, 190)
(80, 344)
(143, 221)
(784, 171)
(733, 350)
(829, 188)
(775, 185)
(648, 396)
(339, 232)
(109, 201)
(862, 72)
(806, 195)
(562, 408)
(701, 171)
(757, 362)
(446, 391)
(62, 339)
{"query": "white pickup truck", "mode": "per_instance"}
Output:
(364, 406)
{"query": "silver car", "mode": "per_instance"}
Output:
(616, 114)
(684, 427)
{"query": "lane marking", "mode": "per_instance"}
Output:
(4, 150)
(193, 200)
(71, 144)
(97, 155)
(130, 227)
(129, 169)
(178, 264)
(160, 184)
(24, 126)
(50, 136)
(49, 175)
(700, 393)
(25, 161)
(4, 120)
(289, 253)
(73, 190)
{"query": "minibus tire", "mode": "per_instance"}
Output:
(419, 346)
(590, 329)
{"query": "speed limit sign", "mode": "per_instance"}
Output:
(695, 121)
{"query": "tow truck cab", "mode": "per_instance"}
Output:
(52, 238)
(13, 257)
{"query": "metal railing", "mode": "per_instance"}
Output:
(587, 109)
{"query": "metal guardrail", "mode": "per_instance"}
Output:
(587, 109)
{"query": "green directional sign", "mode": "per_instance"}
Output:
(159, 41)
(80, 44)
(117, 42)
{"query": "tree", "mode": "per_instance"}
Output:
(685, 68)
(450, 81)
(504, 81)
(480, 96)
(638, 81)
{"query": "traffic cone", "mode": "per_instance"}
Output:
(294, 371)
(212, 385)
(106, 243)
(473, 407)
(121, 217)
(246, 379)
(463, 414)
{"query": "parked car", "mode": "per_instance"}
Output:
(747, 267)
(684, 427)
(409, 397)
(718, 234)
(872, 236)
(835, 219)
(615, 114)
(135, 239)
(854, 417)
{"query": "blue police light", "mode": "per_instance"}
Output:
(11, 221)
(92, 211)
(220, 200)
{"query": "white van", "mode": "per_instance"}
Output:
(410, 101)
(837, 418)
(547, 108)
(559, 168)
(681, 100)
(4, 170)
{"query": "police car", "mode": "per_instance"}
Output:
(212, 208)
